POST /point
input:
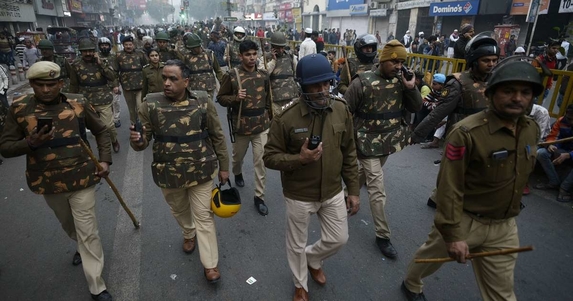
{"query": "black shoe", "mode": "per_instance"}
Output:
(386, 247)
(103, 296)
(431, 203)
(412, 296)
(261, 207)
(117, 123)
(77, 260)
(239, 180)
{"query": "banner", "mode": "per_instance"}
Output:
(17, 12)
(359, 9)
(342, 4)
(463, 8)
(76, 6)
(543, 6)
(522, 7)
(296, 15)
(566, 6)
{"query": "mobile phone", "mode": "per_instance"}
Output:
(407, 74)
(43, 121)
(139, 128)
(500, 155)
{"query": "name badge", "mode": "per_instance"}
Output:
(301, 130)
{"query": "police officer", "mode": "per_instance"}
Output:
(129, 64)
(281, 68)
(104, 46)
(152, 74)
(57, 166)
(312, 174)
(232, 51)
(92, 77)
(365, 48)
(250, 98)
(47, 50)
(480, 185)
(203, 65)
(165, 51)
(379, 101)
(463, 94)
(186, 157)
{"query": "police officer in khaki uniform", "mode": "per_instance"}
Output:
(57, 166)
(379, 100)
(186, 156)
(485, 166)
(281, 68)
(366, 49)
(205, 69)
(92, 77)
(312, 143)
(47, 50)
(152, 74)
(250, 102)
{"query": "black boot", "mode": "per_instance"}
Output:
(77, 260)
(431, 203)
(103, 296)
(261, 207)
(386, 247)
(239, 180)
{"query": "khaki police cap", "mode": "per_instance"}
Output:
(44, 70)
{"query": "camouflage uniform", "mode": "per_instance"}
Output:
(188, 148)
(232, 54)
(129, 67)
(202, 67)
(152, 79)
(65, 69)
(254, 122)
(109, 59)
(281, 74)
(379, 107)
(94, 81)
(356, 67)
(61, 171)
(166, 54)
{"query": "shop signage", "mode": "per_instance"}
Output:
(413, 4)
(342, 4)
(270, 16)
(566, 6)
(46, 7)
(17, 12)
(462, 8)
(378, 12)
(359, 9)
(76, 6)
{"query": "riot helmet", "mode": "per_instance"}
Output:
(362, 41)
(312, 69)
(237, 32)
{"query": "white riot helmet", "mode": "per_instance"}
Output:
(104, 40)
(239, 30)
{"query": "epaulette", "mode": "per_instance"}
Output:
(147, 65)
(471, 122)
(287, 106)
(338, 98)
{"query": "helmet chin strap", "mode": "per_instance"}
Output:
(312, 103)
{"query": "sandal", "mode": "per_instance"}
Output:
(544, 186)
(430, 145)
(564, 196)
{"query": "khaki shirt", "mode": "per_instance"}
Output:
(484, 169)
(320, 180)
(152, 79)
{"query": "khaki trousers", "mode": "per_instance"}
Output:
(494, 274)
(133, 99)
(371, 174)
(116, 107)
(106, 116)
(76, 212)
(190, 207)
(240, 147)
(333, 220)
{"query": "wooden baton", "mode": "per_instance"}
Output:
(475, 255)
(547, 143)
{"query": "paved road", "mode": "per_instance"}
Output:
(148, 264)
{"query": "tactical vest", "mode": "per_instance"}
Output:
(60, 165)
(130, 70)
(183, 154)
(473, 98)
(254, 115)
(202, 77)
(379, 127)
(233, 49)
(356, 67)
(61, 61)
(282, 80)
(166, 55)
(92, 83)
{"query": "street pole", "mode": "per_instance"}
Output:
(534, 25)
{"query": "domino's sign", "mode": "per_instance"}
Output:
(461, 8)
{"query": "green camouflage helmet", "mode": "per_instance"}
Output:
(193, 41)
(162, 36)
(515, 71)
(45, 44)
(278, 39)
(86, 44)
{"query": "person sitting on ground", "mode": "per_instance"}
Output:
(541, 116)
(430, 102)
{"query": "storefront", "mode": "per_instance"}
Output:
(46, 14)
(17, 16)
(451, 15)
(352, 14)
(379, 21)
(414, 16)
(285, 15)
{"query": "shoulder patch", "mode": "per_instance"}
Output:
(338, 98)
(455, 153)
(445, 92)
(289, 105)
(146, 66)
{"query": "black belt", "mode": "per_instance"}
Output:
(468, 111)
(201, 71)
(281, 76)
(182, 139)
(59, 142)
(98, 84)
(379, 116)
(253, 112)
(130, 70)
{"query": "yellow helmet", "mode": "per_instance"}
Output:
(225, 203)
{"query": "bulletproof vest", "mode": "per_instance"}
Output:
(60, 165)
(130, 70)
(183, 154)
(356, 67)
(233, 49)
(378, 123)
(282, 80)
(166, 54)
(92, 83)
(254, 115)
(61, 61)
(473, 98)
(108, 59)
(202, 77)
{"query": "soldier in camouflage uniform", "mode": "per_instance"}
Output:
(152, 74)
(463, 94)
(104, 45)
(203, 65)
(138, 41)
(189, 146)
(47, 49)
(93, 77)
(245, 91)
(365, 48)
(129, 64)
(232, 50)
(57, 166)
(165, 51)
(281, 68)
(379, 101)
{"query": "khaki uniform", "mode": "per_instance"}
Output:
(315, 187)
(356, 67)
(96, 82)
(129, 67)
(61, 171)
(254, 122)
(65, 69)
(204, 67)
(188, 148)
(480, 209)
(281, 75)
(152, 79)
(115, 105)
(379, 107)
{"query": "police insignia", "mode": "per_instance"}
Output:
(445, 92)
(454, 153)
(394, 55)
(52, 73)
